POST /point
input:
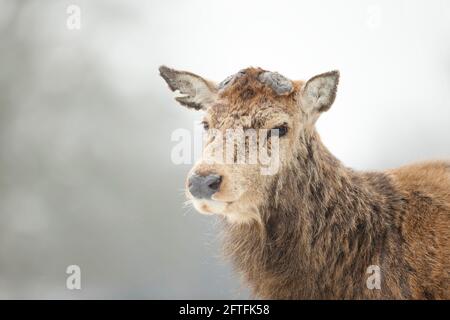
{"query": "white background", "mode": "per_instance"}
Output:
(85, 125)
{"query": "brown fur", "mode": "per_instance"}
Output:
(329, 223)
(316, 226)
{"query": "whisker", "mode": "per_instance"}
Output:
(187, 207)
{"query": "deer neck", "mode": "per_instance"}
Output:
(323, 217)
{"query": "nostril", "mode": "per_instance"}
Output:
(215, 183)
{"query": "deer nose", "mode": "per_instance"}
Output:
(203, 187)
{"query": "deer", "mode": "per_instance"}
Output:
(313, 229)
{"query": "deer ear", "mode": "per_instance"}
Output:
(319, 92)
(197, 92)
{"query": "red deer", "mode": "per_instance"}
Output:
(312, 229)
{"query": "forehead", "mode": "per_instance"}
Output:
(248, 97)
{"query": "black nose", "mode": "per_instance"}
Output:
(203, 187)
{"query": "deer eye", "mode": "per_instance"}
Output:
(282, 130)
(205, 125)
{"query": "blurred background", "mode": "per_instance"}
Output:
(86, 176)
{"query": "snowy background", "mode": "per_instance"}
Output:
(85, 125)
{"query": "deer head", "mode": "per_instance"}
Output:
(264, 111)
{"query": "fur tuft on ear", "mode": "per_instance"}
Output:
(319, 92)
(197, 92)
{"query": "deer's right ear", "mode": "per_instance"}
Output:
(197, 93)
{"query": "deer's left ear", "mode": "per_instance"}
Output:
(197, 93)
(319, 92)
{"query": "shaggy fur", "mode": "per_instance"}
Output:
(312, 230)
(328, 223)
